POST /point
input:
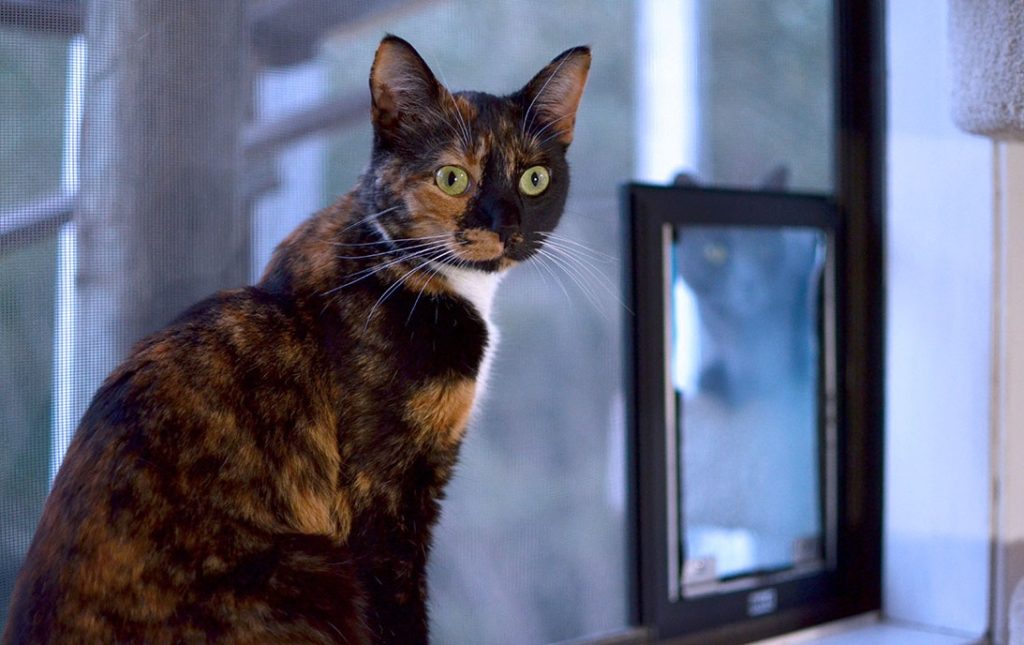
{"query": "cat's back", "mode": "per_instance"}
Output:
(193, 502)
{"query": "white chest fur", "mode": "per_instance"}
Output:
(478, 288)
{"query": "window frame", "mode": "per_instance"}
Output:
(854, 587)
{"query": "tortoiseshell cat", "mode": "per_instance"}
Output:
(268, 468)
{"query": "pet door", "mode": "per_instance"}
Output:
(746, 369)
(737, 431)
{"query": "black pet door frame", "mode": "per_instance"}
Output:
(688, 584)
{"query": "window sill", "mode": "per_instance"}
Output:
(869, 630)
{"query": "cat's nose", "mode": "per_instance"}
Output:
(510, 234)
(503, 216)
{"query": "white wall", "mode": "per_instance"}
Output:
(940, 285)
(1008, 429)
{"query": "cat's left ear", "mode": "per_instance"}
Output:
(553, 95)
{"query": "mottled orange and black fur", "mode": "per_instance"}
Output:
(268, 468)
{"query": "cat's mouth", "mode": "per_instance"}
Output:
(486, 250)
(478, 245)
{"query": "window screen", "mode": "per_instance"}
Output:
(33, 115)
(152, 153)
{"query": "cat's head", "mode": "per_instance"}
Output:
(746, 275)
(468, 178)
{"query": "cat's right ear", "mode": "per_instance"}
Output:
(553, 95)
(403, 90)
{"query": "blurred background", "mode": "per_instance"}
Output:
(152, 153)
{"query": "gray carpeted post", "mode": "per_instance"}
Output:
(987, 58)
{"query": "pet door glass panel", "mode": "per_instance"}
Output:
(746, 368)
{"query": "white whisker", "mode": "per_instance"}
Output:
(539, 92)
(581, 261)
(584, 268)
(413, 247)
(466, 137)
(367, 218)
(578, 279)
(582, 249)
(390, 290)
(535, 136)
(541, 262)
(431, 273)
(377, 268)
(399, 239)
(553, 135)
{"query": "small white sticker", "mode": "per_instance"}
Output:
(697, 570)
(762, 601)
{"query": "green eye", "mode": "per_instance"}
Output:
(716, 253)
(534, 181)
(452, 180)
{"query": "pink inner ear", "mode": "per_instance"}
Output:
(396, 71)
(385, 110)
(559, 94)
(400, 81)
(400, 70)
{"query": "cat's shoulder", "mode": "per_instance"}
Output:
(210, 346)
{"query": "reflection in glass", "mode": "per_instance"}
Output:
(746, 368)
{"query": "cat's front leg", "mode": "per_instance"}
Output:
(396, 585)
